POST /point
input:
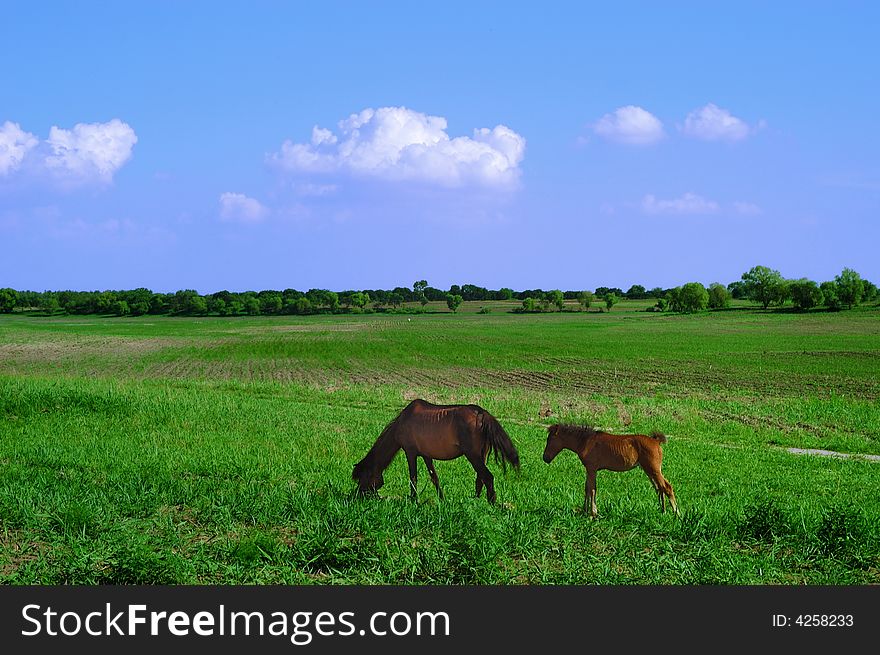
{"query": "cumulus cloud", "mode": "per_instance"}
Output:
(15, 144)
(90, 153)
(712, 123)
(689, 203)
(396, 143)
(238, 208)
(630, 124)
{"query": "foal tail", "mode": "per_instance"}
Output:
(659, 437)
(498, 441)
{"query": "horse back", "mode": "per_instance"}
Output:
(619, 452)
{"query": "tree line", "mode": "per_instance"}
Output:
(762, 285)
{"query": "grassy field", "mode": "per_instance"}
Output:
(208, 450)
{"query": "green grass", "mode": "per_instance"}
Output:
(159, 450)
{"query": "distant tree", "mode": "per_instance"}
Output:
(252, 305)
(395, 299)
(529, 305)
(187, 301)
(673, 299)
(420, 286)
(303, 306)
(120, 308)
(271, 303)
(870, 291)
(850, 287)
(782, 294)
(104, 302)
(719, 296)
(454, 290)
(323, 298)
(762, 285)
(49, 302)
(610, 300)
(158, 303)
(737, 289)
(693, 297)
(657, 292)
(216, 305)
(435, 295)
(406, 294)
(453, 301)
(585, 299)
(8, 299)
(805, 294)
(198, 305)
(555, 297)
(636, 292)
(601, 292)
(473, 292)
(139, 308)
(360, 299)
(504, 293)
(830, 297)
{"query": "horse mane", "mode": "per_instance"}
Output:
(382, 452)
(582, 431)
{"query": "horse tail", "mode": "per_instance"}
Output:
(498, 441)
(659, 437)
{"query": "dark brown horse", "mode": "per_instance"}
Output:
(432, 432)
(614, 452)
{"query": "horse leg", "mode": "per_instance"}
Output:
(484, 476)
(479, 482)
(590, 493)
(429, 463)
(661, 484)
(667, 489)
(413, 474)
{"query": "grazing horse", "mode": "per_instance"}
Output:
(432, 432)
(614, 452)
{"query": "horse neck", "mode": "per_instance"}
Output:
(384, 450)
(575, 441)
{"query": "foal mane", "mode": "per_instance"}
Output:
(581, 431)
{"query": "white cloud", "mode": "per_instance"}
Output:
(237, 207)
(396, 143)
(90, 152)
(712, 123)
(15, 143)
(689, 203)
(630, 124)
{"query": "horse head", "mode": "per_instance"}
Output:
(554, 444)
(369, 479)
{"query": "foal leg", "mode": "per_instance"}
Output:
(413, 474)
(429, 463)
(662, 486)
(590, 494)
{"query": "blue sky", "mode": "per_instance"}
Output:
(341, 145)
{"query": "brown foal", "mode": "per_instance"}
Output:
(614, 452)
